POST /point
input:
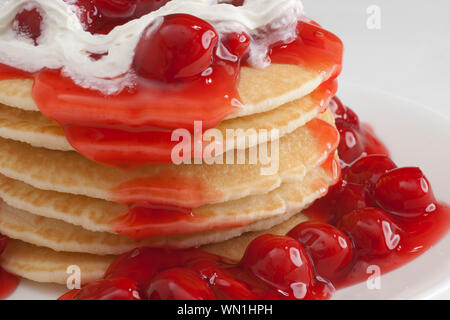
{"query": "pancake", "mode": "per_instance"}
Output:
(45, 265)
(260, 90)
(184, 185)
(103, 216)
(35, 129)
(248, 214)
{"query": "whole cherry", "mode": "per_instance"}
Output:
(222, 281)
(109, 289)
(178, 46)
(237, 44)
(344, 116)
(179, 284)
(367, 170)
(328, 247)
(282, 263)
(352, 197)
(372, 231)
(351, 145)
(405, 192)
(116, 8)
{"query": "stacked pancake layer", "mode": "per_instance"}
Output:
(60, 209)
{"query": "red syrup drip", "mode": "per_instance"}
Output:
(7, 72)
(134, 127)
(350, 229)
(315, 48)
(146, 220)
(8, 282)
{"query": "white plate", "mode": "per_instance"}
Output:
(416, 136)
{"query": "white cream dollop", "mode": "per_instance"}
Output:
(64, 44)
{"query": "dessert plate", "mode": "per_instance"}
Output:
(416, 136)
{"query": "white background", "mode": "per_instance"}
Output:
(409, 56)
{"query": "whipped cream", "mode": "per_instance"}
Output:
(64, 44)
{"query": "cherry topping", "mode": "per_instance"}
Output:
(372, 230)
(3, 242)
(357, 140)
(237, 3)
(145, 6)
(223, 283)
(280, 262)
(101, 16)
(238, 44)
(143, 264)
(180, 47)
(116, 8)
(405, 192)
(27, 24)
(351, 147)
(179, 284)
(344, 116)
(352, 197)
(368, 170)
(109, 289)
(329, 248)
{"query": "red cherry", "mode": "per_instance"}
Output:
(329, 248)
(88, 14)
(143, 264)
(179, 284)
(368, 170)
(3, 242)
(27, 23)
(351, 147)
(146, 6)
(281, 263)
(101, 16)
(238, 44)
(180, 47)
(336, 106)
(224, 285)
(116, 8)
(405, 192)
(351, 197)
(237, 3)
(109, 289)
(344, 116)
(372, 230)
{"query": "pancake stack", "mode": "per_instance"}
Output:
(61, 209)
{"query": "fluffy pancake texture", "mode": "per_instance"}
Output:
(184, 185)
(249, 214)
(33, 128)
(46, 265)
(100, 215)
